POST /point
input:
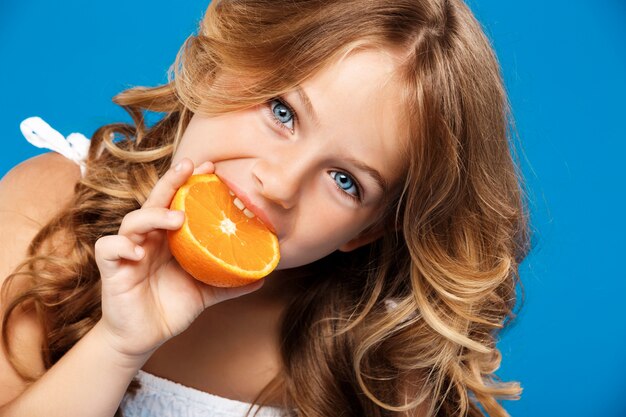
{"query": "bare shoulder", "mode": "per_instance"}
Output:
(31, 193)
(39, 186)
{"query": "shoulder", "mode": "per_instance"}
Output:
(39, 186)
(31, 193)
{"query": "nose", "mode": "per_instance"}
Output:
(279, 181)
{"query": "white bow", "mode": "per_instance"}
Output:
(40, 134)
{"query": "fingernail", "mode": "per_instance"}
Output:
(139, 250)
(178, 167)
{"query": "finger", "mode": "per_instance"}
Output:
(110, 250)
(139, 222)
(206, 167)
(165, 188)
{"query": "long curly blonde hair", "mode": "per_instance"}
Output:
(457, 230)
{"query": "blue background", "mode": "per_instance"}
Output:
(564, 64)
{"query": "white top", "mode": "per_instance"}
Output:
(164, 398)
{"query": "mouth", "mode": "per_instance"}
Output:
(243, 203)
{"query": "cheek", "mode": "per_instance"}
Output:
(326, 223)
(217, 138)
(317, 234)
(193, 142)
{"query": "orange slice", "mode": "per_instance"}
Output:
(217, 243)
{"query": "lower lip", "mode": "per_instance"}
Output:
(257, 212)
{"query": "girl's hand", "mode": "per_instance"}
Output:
(147, 298)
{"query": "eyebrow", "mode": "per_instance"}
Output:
(378, 178)
(308, 106)
(310, 110)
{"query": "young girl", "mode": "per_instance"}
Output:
(372, 136)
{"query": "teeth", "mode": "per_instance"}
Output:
(231, 193)
(239, 204)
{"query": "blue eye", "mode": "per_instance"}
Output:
(282, 114)
(347, 184)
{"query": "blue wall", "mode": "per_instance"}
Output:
(564, 63)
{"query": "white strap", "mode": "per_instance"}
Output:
(40, 134)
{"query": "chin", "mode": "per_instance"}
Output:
(288, 264)
(289, 260)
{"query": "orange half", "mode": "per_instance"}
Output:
(217, 243)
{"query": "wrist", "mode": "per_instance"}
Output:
(119, 355)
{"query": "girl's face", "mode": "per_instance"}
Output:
(314, 164)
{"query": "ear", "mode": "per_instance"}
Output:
(365, 237)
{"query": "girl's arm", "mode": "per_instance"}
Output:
(146, 299)
(89, 380)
